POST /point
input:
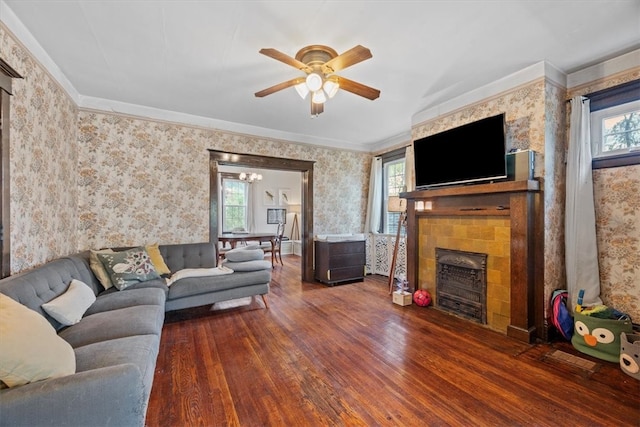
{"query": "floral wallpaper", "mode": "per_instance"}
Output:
(43, 159)
(142, 181)
(618, 233)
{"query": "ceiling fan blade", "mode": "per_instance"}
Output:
(358, 88)
(346, 59)
(283, 57)
(279, 86)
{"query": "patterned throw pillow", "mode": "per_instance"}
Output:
(128, 267)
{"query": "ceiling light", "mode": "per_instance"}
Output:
(331, 87)
(250, 177)
(314, 82)
(318, 97)
(302, 89)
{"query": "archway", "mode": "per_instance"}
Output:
(217, 158)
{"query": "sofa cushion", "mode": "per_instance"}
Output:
(108, 301)
(69, 307)
(198, 272)
(157, 259)
(201, 285)
(108, 325)
(138, 350)
(30, 350)
(128, 267)
(248, 265)
(247, 253)
(98, 268)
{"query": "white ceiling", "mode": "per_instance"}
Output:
(200, 58)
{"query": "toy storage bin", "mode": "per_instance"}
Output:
(599, 337)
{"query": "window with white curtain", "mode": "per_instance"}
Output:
(393, 165)
(235, 205)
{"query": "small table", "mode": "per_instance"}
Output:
(234, 238)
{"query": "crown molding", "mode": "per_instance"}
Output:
(531, 73)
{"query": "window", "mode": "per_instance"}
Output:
(615, 125)
(235, 202)
(393, 181)
(616, 130)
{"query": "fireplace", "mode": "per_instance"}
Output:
(502, 219)
(461, 283)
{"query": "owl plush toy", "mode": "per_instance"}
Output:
(599, 337)
(630, 355)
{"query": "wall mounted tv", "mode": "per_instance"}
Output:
(472, 153)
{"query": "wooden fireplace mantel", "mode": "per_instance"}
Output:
(521, 201)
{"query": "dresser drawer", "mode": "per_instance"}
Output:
(340, 274)
(339, 248)
(347, 260)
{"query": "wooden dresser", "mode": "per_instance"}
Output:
(340, 261)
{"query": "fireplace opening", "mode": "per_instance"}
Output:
(461, 283)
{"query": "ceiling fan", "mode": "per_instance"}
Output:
(320, 63)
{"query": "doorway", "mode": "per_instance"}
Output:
(6, 74)
(219, 158)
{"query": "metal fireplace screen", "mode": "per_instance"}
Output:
(461, 283)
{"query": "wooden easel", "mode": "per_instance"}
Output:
(295, 230)
(392, 271)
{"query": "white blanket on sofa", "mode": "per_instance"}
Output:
(197, 272)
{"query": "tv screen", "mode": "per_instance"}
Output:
(471, 153)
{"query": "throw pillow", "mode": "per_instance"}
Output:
(157, 259)
(98, 268)
(69, 307)
(30, 349)
(128, 267)
(249, 253)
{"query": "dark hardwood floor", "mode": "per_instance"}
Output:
(347, 356)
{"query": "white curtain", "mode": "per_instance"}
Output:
(372, 220)
(409, 169)
(581, 252)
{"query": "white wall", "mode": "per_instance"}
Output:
(273, 181)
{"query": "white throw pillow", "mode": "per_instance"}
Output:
(69, 307)
(30, 349)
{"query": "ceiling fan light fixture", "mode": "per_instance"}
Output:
(319, 97)
(314, 82)
(331, 87)
(302, 89)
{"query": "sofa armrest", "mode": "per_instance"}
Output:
(110, 396)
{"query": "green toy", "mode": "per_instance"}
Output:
(599, 337)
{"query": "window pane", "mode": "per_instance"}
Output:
(394, 185)
(392, 222)
(621, 132)
(234, 204)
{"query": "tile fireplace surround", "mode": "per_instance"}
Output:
(501, 219)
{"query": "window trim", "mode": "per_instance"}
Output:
(617, 158)
(395, 156)
(608, 100)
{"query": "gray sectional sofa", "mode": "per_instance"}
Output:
(116, 342)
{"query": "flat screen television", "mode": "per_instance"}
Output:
(472, 153)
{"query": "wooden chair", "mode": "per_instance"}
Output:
(277, 246)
